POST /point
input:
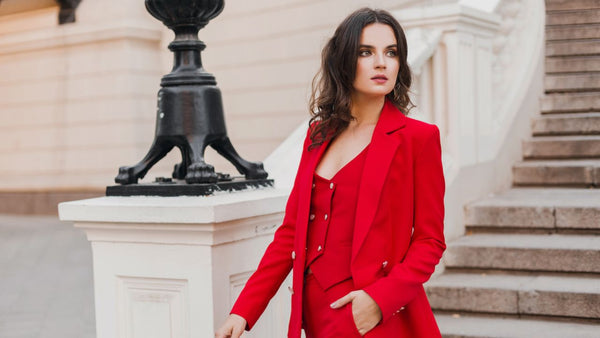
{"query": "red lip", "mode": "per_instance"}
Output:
(379, 77)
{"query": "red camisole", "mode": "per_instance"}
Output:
(331, 223)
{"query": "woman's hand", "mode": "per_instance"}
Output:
(233, 327)
(365, 311)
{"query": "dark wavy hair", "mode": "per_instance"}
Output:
(332, 87)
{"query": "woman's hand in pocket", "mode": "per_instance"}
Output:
(365, 311)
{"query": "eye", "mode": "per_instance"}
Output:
(364, 52)
(391, 53)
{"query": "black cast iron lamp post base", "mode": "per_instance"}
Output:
(190, 109)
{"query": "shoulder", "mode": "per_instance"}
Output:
(419, 131)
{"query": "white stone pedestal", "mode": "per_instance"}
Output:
(173, 266)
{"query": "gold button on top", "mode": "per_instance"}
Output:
(313, 185)
(293, 254)
(325, 217)
(330, 185)
(311, 217)
(319, 248)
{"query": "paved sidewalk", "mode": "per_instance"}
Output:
(46, 282)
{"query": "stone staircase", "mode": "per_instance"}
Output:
(529, 265)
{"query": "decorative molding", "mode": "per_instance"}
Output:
(236, 284)
(67, 11)
(160, 301)
(29, 41)
(516, 48)
(450, 17)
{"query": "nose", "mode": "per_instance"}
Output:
(380, 61)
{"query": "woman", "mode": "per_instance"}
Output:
(363, 227)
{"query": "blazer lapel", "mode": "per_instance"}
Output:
(304, 196)
(377, 164)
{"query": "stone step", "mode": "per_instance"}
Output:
(572, 124)
(561, 5)
(473, 326)
(569, 32)
(573, 17)
(562, 147)
(542, 208)
(557, 173)
(572, 64)
(458, 326)
(542, 252)
(572, 82)
(573, 47)
(570, 102)
(515, 294)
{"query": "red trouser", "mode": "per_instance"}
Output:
(318, 318)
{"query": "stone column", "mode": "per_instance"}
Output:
(173, 266)
(462, 76)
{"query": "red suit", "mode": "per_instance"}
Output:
(398, 230)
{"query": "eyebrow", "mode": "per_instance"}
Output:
(371, 47)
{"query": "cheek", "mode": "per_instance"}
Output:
(396, 68)
(360, 70)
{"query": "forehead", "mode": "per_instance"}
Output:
(378, 34)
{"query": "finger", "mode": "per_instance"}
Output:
(342, 301)
(237, 331)
(222, 334)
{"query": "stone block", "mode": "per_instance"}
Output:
(529, 207)
(40, 202)
(564, 296)
(268, 76)
(473, 293)
(578, 218)
(562, 147)
(564, 253)
(304, 43)
(572, 124)
(568, 32)
(561, 296)
(571, 82)
(576, 47)
(569, 173)
(570, 102)
(513, 216)
(562, 5)
(573, 17)
(478, 325)
(568, 64)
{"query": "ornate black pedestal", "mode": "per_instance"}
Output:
(190, 110)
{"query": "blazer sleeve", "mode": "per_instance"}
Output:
(276, 262)
(406, 278)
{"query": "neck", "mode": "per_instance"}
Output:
(366, 110)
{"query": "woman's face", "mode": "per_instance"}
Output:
(377, 66)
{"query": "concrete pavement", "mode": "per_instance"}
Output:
(46, 281)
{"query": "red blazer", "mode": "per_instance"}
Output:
(398, 230)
